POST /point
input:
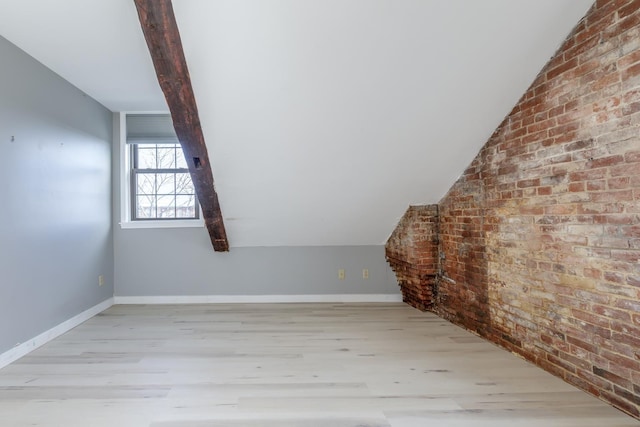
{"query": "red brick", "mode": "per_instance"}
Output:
(606, 161)
(544, 191)
(628, 395)
(629, 9)
(612, 196)
(593, 273)
(540, 234)
(631, 72)
(630, 59)
(577, 187)
(618, 183)
(626, 23)
(412, 252)
(620, 360)
(562, 68)
(632, 157)
(598, 185)
(622, 404)
(628, 305)
(589, 175)
(591, 318)
(616, 379)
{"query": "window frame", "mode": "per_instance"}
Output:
(135, 170)
(126, 184)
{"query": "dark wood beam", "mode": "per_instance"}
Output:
(163, 39)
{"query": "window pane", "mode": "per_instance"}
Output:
(166, 158)
(184, 185)
(166, 207)
(181, 163)
(145, 183)
(162, 195)
(145, 207)
(166, 146)
(165, 183)
(185, 206)
(146, 156)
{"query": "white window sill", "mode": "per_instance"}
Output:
(186, 223)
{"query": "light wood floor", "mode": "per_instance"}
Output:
(284, 365)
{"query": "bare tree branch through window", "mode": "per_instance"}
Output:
(162, 187)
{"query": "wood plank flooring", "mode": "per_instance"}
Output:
(284, 365)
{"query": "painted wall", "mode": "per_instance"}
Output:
(55, 199)
(160, 262)
(541, 234)
(181, 262)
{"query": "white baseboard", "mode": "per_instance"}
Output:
(28, 346)
(232, 299)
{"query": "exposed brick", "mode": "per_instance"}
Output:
(589, 175)
(616, 379)
(628, 395)
(611, 313)
(412, 253)
(607, 161)
(544, 191)
(575, 187)
(620, 360)
(632, 157)
(621, 403)
(599, 185)
(562, 68)
(628, 305)
(619, 183)
(540, 236)
(631, 72)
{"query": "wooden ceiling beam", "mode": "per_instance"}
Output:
(163, 39)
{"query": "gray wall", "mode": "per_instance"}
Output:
(181, 262)
(55, 199)
(154, 262)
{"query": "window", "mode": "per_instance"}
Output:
(159, 187)
(161, 184)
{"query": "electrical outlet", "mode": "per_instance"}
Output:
(100, 280)
(365, 273)
(341, 274)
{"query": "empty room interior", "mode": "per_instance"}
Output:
(305, 213)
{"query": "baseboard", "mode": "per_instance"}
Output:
(26, 347)
(231, 299)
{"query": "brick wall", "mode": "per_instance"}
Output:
(412, 253)
(541, 234)
(462, 289)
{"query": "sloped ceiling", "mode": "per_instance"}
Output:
(324, 119)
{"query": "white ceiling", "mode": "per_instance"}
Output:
(325, 119)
